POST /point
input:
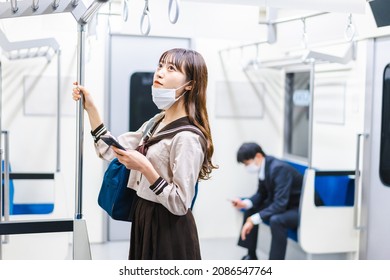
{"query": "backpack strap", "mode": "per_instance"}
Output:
(195, 196)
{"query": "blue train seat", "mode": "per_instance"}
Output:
(34, 205)
(26, 208)
(31, 208)
(335, 190)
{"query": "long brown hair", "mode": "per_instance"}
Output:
(192, 64)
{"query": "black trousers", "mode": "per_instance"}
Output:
(279, 224)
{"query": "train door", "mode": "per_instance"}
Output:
(375, 241)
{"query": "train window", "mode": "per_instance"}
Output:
(384, 162)
(142, 107)
(297, 114)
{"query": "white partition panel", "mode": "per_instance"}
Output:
(325, 229)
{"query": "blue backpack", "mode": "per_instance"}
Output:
(114, 196)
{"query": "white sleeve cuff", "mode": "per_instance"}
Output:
(256, 219)
(248, 204)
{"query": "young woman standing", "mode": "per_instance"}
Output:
(165, 173)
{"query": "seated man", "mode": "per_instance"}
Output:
(276, 200)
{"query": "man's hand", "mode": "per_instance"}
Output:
(246, 228)
(238, 203)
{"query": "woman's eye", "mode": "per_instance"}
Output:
(172, 68)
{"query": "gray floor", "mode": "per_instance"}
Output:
(211, 249)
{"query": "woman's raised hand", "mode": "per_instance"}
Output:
(79, 92)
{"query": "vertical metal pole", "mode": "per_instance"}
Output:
(80, 124)
(58, 164)
(311, 109)
(6, 189)
(81, 247)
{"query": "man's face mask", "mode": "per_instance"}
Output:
(252, 168)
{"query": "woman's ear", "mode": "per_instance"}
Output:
(189, 87)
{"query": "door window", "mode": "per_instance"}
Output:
(384, 160)
(297, 114)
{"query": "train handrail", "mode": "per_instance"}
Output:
(358, 185)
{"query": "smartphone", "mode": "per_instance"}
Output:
(111, 141)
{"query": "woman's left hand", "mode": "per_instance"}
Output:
(132, 159)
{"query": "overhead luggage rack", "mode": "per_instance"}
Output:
(47, 48)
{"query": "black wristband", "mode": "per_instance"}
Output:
(99, 131)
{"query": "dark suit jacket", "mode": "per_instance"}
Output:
(280, 190)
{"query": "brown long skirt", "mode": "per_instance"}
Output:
(157, 234)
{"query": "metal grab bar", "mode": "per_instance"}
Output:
(80, 124)
(335, 173)
(358, 185)
(145, 15)
(58, 117)
(31, 176)
(6, 175)
(6, 204)
(311, 113)
(42, 226)
(177, 11)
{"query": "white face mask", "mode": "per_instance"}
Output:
(164, 98)
(252, 168)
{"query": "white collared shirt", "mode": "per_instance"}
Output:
(262, 170)
(256, 219)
